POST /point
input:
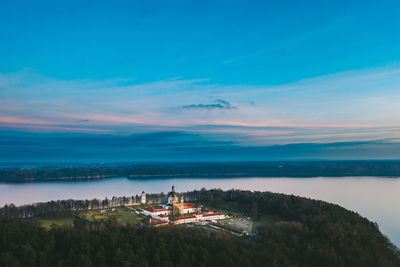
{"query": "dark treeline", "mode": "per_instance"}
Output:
(233, 169)
(64, 207)
(310, 233)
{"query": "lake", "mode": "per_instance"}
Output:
(376, 198)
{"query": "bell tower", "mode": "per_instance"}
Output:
(171, 196)
(143, 198)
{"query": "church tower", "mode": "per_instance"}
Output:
(181, 206)
(171, 196)
(177, 203)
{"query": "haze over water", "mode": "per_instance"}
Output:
(374, 198)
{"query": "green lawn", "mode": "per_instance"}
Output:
(47, 223)
(122, 214)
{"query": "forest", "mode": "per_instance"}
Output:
(65, 207)
(308, 233)
(209, 170)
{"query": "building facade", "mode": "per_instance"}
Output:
(176, 211)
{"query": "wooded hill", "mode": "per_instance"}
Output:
(308, 233)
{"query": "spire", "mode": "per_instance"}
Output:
(173, 189)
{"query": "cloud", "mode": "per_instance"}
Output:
(218, 104)
(349, 106)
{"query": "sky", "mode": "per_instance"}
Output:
(199, 80)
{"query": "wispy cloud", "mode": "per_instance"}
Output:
(218, 104)
(337, 107)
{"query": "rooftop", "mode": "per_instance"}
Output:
(155, 222)
(189, 205)
(151, 209)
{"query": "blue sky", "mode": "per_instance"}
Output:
(251, 75)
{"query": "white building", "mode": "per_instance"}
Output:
(198, 218)
(162, 217)
(191, 208)
(211, 216)
(184, 219)
(143, 198)
(154, 212)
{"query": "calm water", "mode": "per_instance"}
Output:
(378, 199)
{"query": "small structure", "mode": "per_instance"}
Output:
(158, 223)
(164, 204)
(211, 216)
(190, 208)
(143, 198)
(163, 217)
(184, 219)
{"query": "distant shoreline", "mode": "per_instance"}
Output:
(313, 169)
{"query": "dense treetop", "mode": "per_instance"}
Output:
(308, 233)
